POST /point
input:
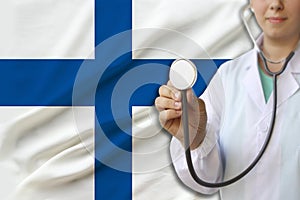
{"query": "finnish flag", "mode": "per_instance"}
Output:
(53, 148)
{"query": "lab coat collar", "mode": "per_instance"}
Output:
(287, 83)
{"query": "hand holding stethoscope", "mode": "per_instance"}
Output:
(182, 76)
(184, 116)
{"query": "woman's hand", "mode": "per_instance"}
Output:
(170, 110)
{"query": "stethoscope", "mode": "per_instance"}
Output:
(183, 75)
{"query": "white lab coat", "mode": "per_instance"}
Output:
(238, 121)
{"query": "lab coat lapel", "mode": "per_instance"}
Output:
(252, 82)
(288, 82)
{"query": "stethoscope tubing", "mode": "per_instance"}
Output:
(268, 137)
(259, 155)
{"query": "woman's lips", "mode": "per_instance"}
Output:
(276, 20)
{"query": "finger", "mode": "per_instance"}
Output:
(190, 95)
(169, 83)
(170, 121)
(169, 92)
(192, 98)
(162, 103)
(166, 115)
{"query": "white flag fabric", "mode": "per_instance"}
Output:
(47, 29)
(47, 153)
(214, 26)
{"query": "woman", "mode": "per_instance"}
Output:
(229, 122)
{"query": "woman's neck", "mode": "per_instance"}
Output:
(276, 50)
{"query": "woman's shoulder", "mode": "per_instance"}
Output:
(240, 63)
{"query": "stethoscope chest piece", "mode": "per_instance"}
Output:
(183, 74)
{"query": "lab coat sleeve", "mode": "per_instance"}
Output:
(206, 158)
